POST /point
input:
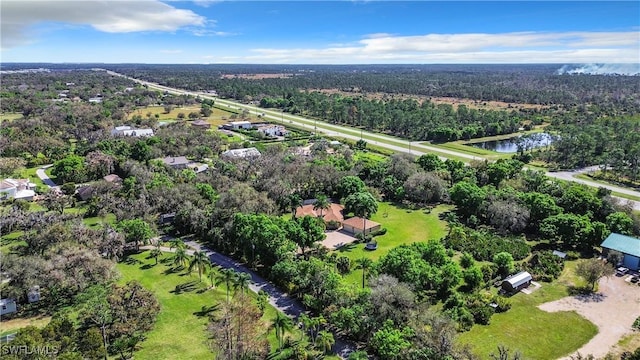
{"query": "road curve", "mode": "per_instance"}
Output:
(380, 140)
(278, 299)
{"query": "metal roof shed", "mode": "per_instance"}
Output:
(628, 246)
(516, 282)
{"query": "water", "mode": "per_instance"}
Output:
(510, 145)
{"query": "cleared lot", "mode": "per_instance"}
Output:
(612, 309)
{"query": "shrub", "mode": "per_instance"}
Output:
(332, 225)
(503, 304)
(636, 324)
(545, 266)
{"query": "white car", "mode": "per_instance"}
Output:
(622, 271)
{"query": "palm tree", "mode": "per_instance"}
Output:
(322, 203)
(180, 258)
(364, 264)
(325, 340)
(176, 244)
(227, 277)
(201, 261)
(281, 324)
(156, 253)
(242, 282)
(452, 220)
(213, 274)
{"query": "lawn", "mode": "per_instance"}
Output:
(403, 226)
(13, 325)
(535, 333)
(218, 115)
(180, 332)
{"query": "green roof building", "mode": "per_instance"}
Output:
(627, 245)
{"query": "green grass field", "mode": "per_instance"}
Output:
(403, 227)
(535, 333)
(218, 115)
(179, 332)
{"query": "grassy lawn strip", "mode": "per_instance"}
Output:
(180, 332)
(603, 182)
(535, 333)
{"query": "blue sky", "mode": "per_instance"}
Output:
(320, 32)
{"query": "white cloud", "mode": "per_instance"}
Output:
(18, 17)
(521, 47)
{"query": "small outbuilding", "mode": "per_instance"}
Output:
(627, 245)
(358, 225)
(8, 306)
(517, 282)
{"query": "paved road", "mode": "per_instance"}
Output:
(384, 141)
(278, 299)
(45, 178)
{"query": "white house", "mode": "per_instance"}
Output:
(273, 130)
(247, 153)
(8, 306)
(21, 189)
(129, 131)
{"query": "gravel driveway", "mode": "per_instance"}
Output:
(612, 309)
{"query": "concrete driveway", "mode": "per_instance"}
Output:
(337, 237)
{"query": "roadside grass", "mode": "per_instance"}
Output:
(403, 226)
(604, 182)
(180, 331)
(13, 325)
(535, 333)
(468, 149)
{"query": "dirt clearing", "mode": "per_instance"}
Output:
(612, 309)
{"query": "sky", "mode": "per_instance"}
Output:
(319, 32)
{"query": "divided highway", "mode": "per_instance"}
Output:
(384, 141)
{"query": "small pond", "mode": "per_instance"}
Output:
(510, 145)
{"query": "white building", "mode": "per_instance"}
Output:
(236, 125)
(247, 153)
(129, 131)
(21, 189)
(273, 130)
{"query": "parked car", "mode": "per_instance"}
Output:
(622, 271)
(635, 279)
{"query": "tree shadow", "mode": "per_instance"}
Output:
(166, 260)
(173, 270)
(147, 266)
(347, 247)
(207, 310)
(183, 288)
(128, 260)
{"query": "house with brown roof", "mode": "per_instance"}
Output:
(358, 225)
(332, 214)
